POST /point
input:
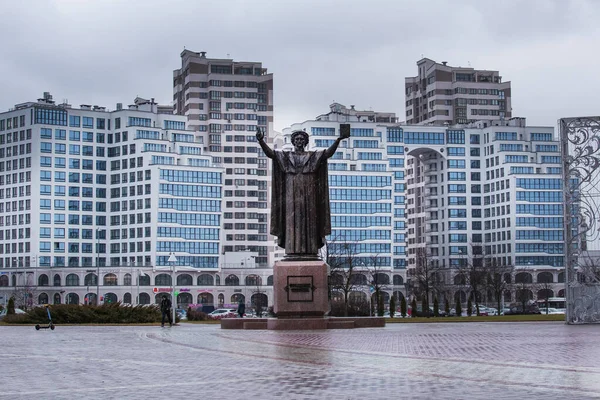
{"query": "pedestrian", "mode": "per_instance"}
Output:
(165, 308)
(241, 309)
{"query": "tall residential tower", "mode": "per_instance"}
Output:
(225, 101)
(445, 95)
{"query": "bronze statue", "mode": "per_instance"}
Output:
(300, 215)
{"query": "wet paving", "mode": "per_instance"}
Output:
(400, 361)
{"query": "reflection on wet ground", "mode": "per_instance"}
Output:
(412, 361)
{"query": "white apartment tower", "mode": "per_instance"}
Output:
(226, 101)
(459, 193)
(114, 192)
(445, 95)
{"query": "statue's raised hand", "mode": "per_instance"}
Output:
(260, 135)
(344, 131)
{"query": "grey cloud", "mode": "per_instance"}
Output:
(352, 51)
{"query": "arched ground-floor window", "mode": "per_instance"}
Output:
(43, 298)
(90, 299)
(110, 298)
(184, 299)
(237, 297)
(72, 298)
(259, 302)
(461, 296)
(206, 298)
(144, 298)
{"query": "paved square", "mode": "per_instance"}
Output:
(400, 361)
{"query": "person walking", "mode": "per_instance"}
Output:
(241, 309)
(165, 308)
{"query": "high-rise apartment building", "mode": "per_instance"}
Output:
(491, 189)
(87, 192)
(225, 101)
(444, 95)
(366, 192)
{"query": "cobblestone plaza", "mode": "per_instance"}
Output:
(400, 361)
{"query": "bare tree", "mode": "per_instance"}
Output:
(258, 303)
(427, 278)
(24, 296)
(498, 279)
(525, 288)
(474, 274)
(379, 282)
(545, 287)
(343, 263)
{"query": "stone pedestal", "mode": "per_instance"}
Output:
(300, 289)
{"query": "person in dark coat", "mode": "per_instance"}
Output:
(241, 309)
(165, 308)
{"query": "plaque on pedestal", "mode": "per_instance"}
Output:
(300, 289)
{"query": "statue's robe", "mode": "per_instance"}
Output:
(300, 214)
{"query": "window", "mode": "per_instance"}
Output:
(74, 136)
(74, 121)
(88, 122)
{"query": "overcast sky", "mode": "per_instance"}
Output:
(350, 51)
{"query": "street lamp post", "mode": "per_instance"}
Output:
(131, 281)
(172, 261)
(97, 266)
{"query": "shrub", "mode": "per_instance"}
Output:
(392, 306)
(447, 307)
(413, 306)
(114, 313)
(380, 306)
(458, 308)
(403, 306)
(469, 307)
(436, 309)
(424, 307)
(11, 306)
(195, 315)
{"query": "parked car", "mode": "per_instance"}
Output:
(483, 311)
(516, 309)
(17, 311)
(223, 313)
(181, 313)
(420, 313)
(453, 313)
(551, 311)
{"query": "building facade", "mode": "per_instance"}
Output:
(87, 193)
(445, 95)
(225, 101)
(490, 189)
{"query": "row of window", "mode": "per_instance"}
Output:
(12, 123)
(352, 235)
(359, 221)
(46, 218)
(139, 218)
(74, 205)
(12, 192)
(360, 194)
(74, 163)
(21, 163)
(171, 175)
(540, 197)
